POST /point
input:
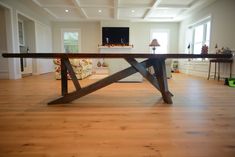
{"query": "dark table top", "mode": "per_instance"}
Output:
(222, 60)
(113, 55)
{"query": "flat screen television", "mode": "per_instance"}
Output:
(115, 36)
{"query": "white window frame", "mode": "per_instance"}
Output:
(202, 22)
(63, 30)
(23, 40)
(160, 31)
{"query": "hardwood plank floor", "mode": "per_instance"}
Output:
(121, 120)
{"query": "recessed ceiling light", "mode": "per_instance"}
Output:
(132, 11)
(66, 10)
(99, 11)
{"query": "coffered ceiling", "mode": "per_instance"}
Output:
(135, 10)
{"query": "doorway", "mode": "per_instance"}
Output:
(26, 40)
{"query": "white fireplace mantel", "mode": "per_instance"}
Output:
(116, 47)
(115, 65)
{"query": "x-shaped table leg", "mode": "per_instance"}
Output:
(135, 67)
(160, 71)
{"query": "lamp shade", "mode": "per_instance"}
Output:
(154, 43)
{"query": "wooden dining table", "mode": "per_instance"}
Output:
(158, 79)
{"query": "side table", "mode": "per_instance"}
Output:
(219, 61)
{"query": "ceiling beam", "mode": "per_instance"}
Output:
(151, 19)
(144, 6)
(51, 13)
(96, 6)
(115, 9)
(57, 6)
(47, 10)
(78, 6)
(155, 4)
(173, 6)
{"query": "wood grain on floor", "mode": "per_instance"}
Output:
(121, 120)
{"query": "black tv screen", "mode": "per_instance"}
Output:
(115, 35)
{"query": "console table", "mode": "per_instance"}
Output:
(157, 61)
(219, 61)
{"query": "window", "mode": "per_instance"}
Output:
(71, 41)
(162, 37)
(21, 33)
(201, 36)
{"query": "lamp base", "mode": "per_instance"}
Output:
(154, 50)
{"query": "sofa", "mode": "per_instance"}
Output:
(81, 67)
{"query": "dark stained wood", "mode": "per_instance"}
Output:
(98, 85)
(157, 61)
(162, 87)
(72, 73)
(209, 71)
(160, 72)
(219, 61)
(142, 70)
(64, 79)
(116, 55)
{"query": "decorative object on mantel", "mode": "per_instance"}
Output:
(204, 49)
(116, 45)
(154, 44)
(107, 40)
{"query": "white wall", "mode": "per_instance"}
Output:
(32, 13)
(140, 35)
(27, 7)
(91, 33)
(3, 45)
(222, 13)
(12, 42)
(43, 45)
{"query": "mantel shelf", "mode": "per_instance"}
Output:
(116, 47)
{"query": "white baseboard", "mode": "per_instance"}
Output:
(4, 75)
(201, 69)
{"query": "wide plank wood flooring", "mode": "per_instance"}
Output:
(121, 120)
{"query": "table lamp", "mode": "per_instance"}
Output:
(154, 44)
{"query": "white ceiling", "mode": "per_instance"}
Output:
(134, 10)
